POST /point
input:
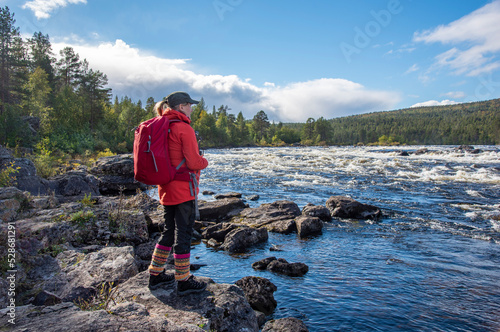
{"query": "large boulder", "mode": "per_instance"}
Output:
(132, 306)
(467, 148)
(218, 232)
(319, 211)
(259, 292)
(222, 307)
(228, 195)
(116, 175)
(348, 208)
(240, 239)
(267, 214)
(67, 316)
(288, 324)
(26, 177)
(307, 226)
(286, 226)
(221, 209)
(74, 183)
(108, 266)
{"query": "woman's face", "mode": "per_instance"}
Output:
(186, 109)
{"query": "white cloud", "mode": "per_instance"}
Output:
(475, 40)
(43, 8)
(328, 98)
(412, 69)
(133, 73)
(455, 94)
(435, 103)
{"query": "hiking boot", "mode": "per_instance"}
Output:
(190, 286)
(161, 279)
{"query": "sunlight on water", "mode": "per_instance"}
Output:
(431, 264)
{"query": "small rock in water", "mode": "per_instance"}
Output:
(253, 197)
(275, 248)
(228, 195)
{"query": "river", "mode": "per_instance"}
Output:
(432, 263)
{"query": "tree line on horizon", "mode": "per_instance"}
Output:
(60, 105)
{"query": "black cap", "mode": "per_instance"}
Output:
(176, 98)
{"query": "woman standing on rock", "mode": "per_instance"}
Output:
(178, 199)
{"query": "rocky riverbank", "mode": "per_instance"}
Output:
(81, 256)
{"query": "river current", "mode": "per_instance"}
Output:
(432, 263)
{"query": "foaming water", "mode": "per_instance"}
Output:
(431, 264)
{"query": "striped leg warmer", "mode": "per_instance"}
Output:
(159, 259)
(182, 266)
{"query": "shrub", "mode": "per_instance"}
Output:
(7, 175)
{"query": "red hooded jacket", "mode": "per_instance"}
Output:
(181, 144)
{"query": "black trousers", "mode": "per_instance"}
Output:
(178, 228)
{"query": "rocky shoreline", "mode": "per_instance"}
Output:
(82, 256)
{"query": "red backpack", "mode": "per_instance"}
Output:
(152, 164)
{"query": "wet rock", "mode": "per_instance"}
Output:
(288, 324)
(218, 232)
(348, 208)
(421, 151)
(275, 247)
(240, 239)
(468, 148)
(403, 154)
(287, 226)
(208, 192)
(213, 243)
(263, 263)
(253, 197)
(281, 266)
(319, 211)
(222, 209)
(259, 292)
(307, 226)
(267, 214)
(116, 175)
(228, 195)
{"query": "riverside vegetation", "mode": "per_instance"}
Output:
(58, 108)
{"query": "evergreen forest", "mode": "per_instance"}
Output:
(58, 106)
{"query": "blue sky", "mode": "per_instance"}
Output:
(292, 59)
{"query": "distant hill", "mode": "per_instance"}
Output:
(467, 123)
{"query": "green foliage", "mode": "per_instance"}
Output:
(472, 123)
(37, 101)
(8, 175)
(82, 218)
(88, 201)
(52, 250)
(77, 116)
(45, 162)
(101, 300)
